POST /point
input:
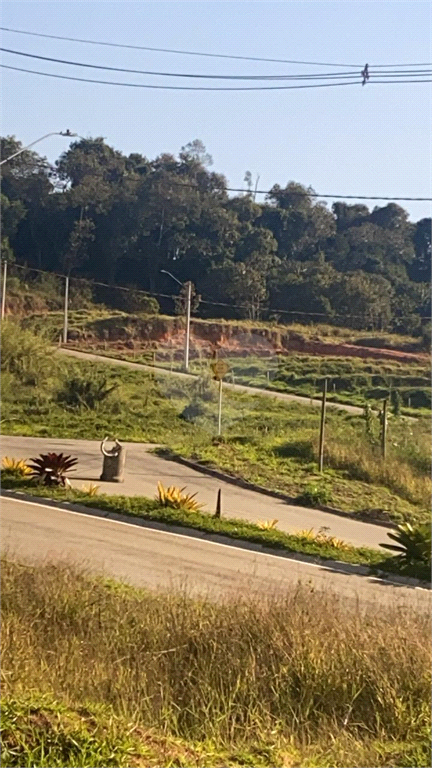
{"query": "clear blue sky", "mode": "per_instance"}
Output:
(353, 140)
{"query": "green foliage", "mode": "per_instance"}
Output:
(315, 495)
(413, 545)
(175, 498)
(52, 468)
(192, 411)
(83, 392)
(28, 357)
(120, 215)
(37, 731)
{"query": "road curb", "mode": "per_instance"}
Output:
(169, 455)
(217, 538)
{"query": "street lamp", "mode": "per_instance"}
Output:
(55, 133)
(188, 316)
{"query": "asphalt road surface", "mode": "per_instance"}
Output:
(144, 469)
(144, 557)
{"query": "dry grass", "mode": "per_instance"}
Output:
(302, 669)
(405, 471)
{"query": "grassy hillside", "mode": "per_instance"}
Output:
(97, 673)
(264, 441)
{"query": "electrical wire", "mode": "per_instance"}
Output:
(173, 50)
(182, 74)
(321, 76)
(298, 193)
(202, 301)
(184, 87)
(197, 53)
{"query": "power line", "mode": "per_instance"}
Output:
(296, 193)
(197, 53)
(308, 194)
(202, 301)
(320, 76)
(185, 87)
(181, 74)
(173, 50)
(203, 88)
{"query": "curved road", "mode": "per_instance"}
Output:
(144, 557)
(144, 469)
(235, 387)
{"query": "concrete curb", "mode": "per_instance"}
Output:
(165, 453)
(333, 565)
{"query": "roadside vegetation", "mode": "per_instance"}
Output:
(174, 507)
(97, 673)
(267, 442)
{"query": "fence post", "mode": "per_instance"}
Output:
(218, 504)
(322, 427)
(3, 301)
(384, 429)
(66, 310)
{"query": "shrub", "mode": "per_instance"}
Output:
(315, 495)
(25, 355)
(51, 468)
(85, 392)
(175, 498)
(192, 411)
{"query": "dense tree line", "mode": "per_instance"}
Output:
(122, 219)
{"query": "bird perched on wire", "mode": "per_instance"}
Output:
(365, 74)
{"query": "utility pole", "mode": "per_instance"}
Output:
(188, 315)
(384, 429)
(3, 301)
(322, 427)
(188, 318)
(66, 310)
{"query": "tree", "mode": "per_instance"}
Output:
(420, 267)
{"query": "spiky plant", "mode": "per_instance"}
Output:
(16, 467)
(321, 537)
(175, 498)
(267, 525)
(51, 468)
(413, 544)
(91, 489)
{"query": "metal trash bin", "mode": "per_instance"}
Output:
(113, 462)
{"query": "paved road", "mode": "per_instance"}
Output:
(143, 470)
(235, 387)
(163, 559)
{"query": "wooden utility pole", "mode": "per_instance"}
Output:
(322, 427)
(384, 429)
(3, 300)
(66, 311)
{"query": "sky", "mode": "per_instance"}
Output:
(353, 140)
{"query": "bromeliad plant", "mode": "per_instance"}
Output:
(321, 537)
(16, 467)
(51, 468)
(175, 498)
(413, 544)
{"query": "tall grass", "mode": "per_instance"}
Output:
(26, 356)
(300, 666)
(406, 469)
